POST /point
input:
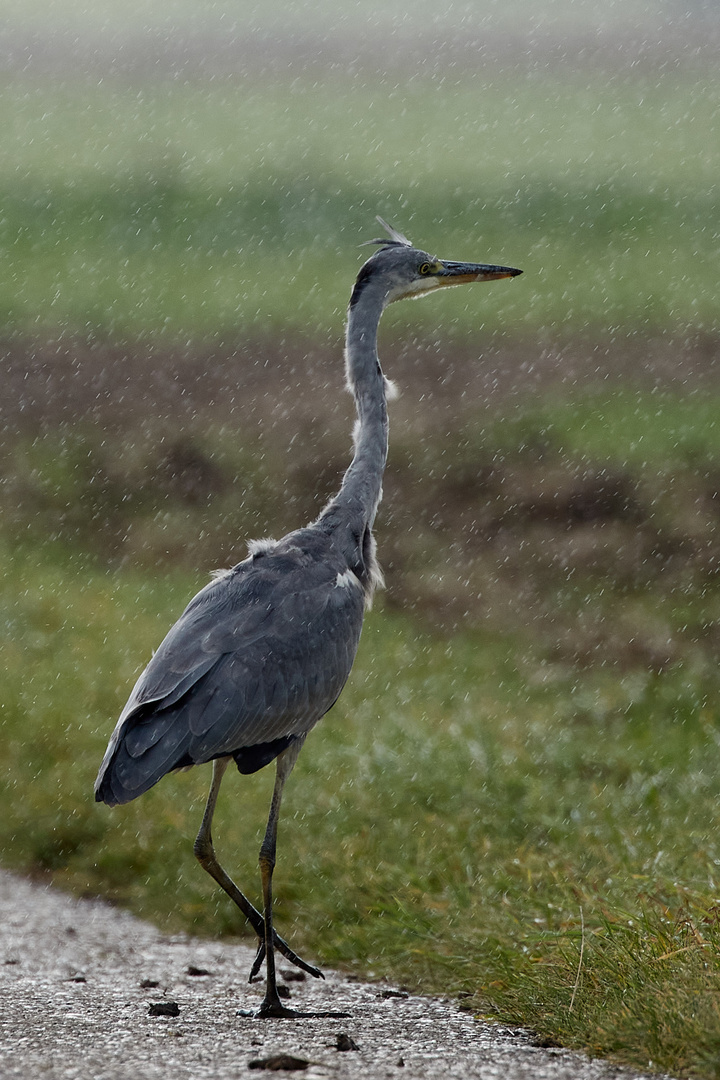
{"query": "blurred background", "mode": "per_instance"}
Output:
(528, 749)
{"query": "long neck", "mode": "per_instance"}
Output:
(360, 492)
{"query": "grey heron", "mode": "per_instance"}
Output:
(264, 650)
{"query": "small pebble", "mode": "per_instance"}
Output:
(279, 1063)
(345, 1042)
(164, 1008)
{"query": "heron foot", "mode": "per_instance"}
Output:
(291, 1014)
(272, 1007)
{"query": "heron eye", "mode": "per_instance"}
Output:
(426, 268)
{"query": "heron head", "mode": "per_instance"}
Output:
(398, 270)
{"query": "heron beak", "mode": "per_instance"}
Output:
(458, 273)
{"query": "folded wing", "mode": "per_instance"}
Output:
(257, 657)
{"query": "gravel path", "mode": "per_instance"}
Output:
(79, 978)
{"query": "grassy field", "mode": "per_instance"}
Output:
(515, 801)
(471, 819)
(191, 210)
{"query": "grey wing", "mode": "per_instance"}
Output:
(254, 662)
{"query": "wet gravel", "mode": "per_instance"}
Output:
(90, 991)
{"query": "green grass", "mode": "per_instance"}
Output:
(523, 812)
(660, 429)
(193, 209)
(479, 815)
(625, 428)
(467, 820)
(591, 525)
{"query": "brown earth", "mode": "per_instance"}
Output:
(179, 454)
(48, 383)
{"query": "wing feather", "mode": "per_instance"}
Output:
(257, 657)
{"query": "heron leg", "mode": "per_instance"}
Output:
(271, 1005)
(205, 854)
